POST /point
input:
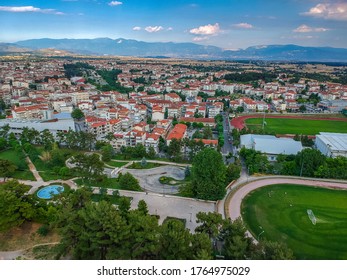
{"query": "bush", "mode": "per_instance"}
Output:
(43, 230)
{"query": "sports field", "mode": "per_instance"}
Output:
(297, 126)
(279, 212)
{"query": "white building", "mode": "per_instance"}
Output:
(270, 145)
(332, 144)
(54, 126)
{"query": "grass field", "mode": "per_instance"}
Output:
(117, 163)
(297, 126)
(22, 171)
(279, 212)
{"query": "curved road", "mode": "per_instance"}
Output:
(237, 197)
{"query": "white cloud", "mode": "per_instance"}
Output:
(243, 25)
(115, 3)
(199, 39)
(152, 29)
(27, 9)
(334, 11)
(137, 28)
(208, 29)
(169, 29)
(305, 29)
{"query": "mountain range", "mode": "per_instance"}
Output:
(127, 47)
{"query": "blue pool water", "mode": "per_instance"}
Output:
(49, 191)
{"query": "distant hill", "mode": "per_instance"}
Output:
(126, 47)
(12, 48)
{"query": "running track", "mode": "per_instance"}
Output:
(239, 122)
(238, 196)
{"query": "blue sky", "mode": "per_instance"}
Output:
(230, 24)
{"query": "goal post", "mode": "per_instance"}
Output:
(311, 216)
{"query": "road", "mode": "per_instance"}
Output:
(228, 147)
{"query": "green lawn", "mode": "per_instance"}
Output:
(110, 183)
(17, 159)
(117, 163)
(149, 165)
(297, 126)
(281, 212)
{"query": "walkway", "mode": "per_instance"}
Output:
(33, 169)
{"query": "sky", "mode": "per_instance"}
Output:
(229, 24)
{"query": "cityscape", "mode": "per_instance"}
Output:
(183, 144)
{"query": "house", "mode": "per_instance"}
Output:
(178, 132)
(152, 140)
(157, 113)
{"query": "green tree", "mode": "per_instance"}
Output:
(308, 162)
(46, 139)
(16, 207)
(77, 114)
(269, 250)
(89, 167)
(107, 152)
(174, 149)
(208, 180)
(7, 168)
(175, 241)
(129, 182)
(233, 172)
(207, 133)
(211, 223)
(237, 245)
(151, 152)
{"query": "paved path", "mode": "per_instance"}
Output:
(149, 178)
(234, 204)
(33, 170)
(171, 206)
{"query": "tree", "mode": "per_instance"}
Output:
(308, 162)
(240, 109)
(46, 139)
(207, 133)
(302, 108)
(174, 241)
(15, 206)
(269, 250)
(208, 180)
(174, 149)
(107, 152)
(237, 245)
(89, 167)
(211, 223)
(151, 152)
(143, 162)
(129, 182)
(77, 114)
(233, 172)
(7, 168)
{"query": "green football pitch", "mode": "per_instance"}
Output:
(297, 126)
(280, 213)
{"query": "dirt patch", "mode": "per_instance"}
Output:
(24, 237)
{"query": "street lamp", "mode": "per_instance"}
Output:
(190, 219)
(260, 234)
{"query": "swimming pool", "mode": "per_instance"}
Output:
(49, 191)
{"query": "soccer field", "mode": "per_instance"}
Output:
(280, 213)
(297, 126)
